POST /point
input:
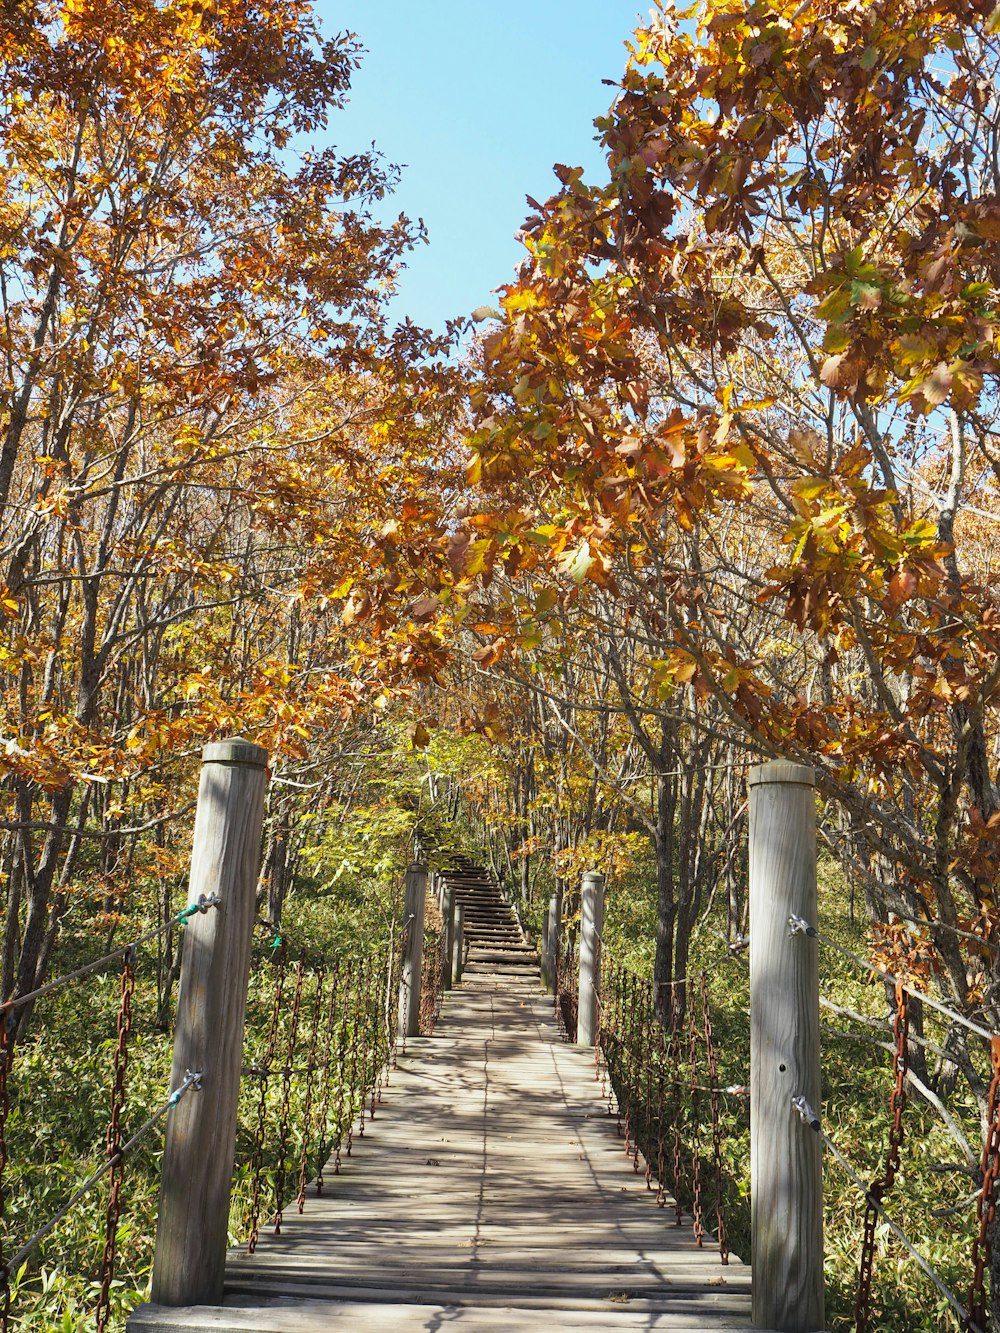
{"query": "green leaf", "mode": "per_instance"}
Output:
(809, 488)
(838, 338)
(835, 305)
(868, 295)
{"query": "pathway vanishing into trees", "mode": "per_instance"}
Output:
(490, 1192)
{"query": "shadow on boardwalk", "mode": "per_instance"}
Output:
(491, 1193)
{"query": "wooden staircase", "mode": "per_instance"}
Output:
(495, 946)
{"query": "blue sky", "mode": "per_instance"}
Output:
(478, 99)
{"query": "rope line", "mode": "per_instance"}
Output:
(192, 1079)
(812, 1120)
(201, 906)
(797, 925)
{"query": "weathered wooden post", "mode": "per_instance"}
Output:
(193, 1217)
(591, 930)
(457, 945)
(785, 1154)
(554, 921)
(543, 959)
(413, 952)
(448, 930)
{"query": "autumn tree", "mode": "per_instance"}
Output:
(757, 369)
(208, 428)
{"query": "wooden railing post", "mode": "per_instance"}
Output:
(552, 942)
(448, 928)
(193, 1215)
(413, 953)
(458, 945)
(591, 929)
(785, 1154)
(543, 959)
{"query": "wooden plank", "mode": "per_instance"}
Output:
(305, 1316)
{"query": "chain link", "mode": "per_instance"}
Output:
(342, 1055)
(352, 1078)
(986, 1206)
(281, 1169)
(713, 1103)
(270, 1049)
(329, 1024)
(307, 1106)
(879, 1188)
(676, 1108)
(114, 1138)
(695, 1134)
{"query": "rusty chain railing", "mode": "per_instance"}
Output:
(323, 1052)
(566, 992)
(116, 1146)
(658, 1062)
(321, 1065)
(432, 980)
(975, 1317)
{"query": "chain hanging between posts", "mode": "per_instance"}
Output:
(879, 1188)
(623, 1055)
(342, 1055)
(629, 1060)
(352, 1078)
(281, 1170)
(114, 1138)
(270, 1048)
(8, 1028)
(986, 1205)
(387, 1027)
(647, 1028)
(327, 1084)
(612, 1041)
(307, 1105)
(713, 1103)
(676, 1106)
(366, 1080)
(696, 1205)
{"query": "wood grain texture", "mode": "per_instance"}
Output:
(591, 930)
(193, 1217)
(786, 1159)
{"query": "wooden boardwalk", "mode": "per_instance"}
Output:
(490, 1193)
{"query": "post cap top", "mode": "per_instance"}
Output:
(593, 877)
(235, 751)
(781, 770)
(418, 867)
